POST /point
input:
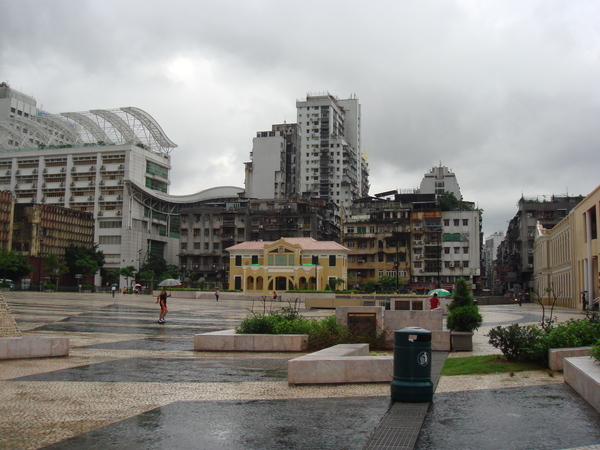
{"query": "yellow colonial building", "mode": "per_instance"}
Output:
(258, 267)
(566, 256)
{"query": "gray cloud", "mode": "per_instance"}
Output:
(504, 93)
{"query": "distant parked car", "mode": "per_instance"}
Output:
(6, 283)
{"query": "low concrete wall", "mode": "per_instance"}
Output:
(583, 375)
(230, 341)
(33, 347)
(556, 356)
(343, 363)
(429, 320)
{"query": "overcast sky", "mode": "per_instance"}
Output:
(504, 93)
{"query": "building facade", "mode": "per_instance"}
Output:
(439, 180)
(515, 268)
(410, 237)
(209, 229)
(114, 164)
(332, 166)
(261, 268)
(566, 256)
(274, 164)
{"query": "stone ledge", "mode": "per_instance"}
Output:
(556, 356)
(33, 347)
(230, 341)
(583, 374)
(343, 363)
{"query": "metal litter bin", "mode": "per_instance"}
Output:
(412, 366)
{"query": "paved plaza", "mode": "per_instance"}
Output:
(130, 382)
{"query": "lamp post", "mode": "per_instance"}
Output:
(41, 236)
(397, 258)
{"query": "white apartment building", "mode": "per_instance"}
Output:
(461, 246)
(332, 166)
(439, 180)
(272, 172)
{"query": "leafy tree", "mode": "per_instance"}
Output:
(14, 266)
(111, 276)
(127, 273)
(55, 267)
(387, 284)
(171, 273)
(155, 264)
(87, 266)
(464, 313)
(76, 253)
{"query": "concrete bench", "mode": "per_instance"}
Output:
(343, 363)
(230, 341)
(556, 356)
(33, 347)
(583, 375)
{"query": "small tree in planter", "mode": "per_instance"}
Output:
(463, 317)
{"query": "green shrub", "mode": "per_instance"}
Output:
(86, 287)
(596, 351)
(573, 333)
(322, 333)
(464, 318)
(514, 341)
(48, 287)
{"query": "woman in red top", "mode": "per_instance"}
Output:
(434, 302)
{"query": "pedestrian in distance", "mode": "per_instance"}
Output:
(274, 296)
(434, 302)
(217, 293)
(113, 289)
(162, 298)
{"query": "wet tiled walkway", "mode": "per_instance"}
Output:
(132, 383)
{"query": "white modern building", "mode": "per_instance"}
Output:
(439, 180)
(332, 166)
(113, 163)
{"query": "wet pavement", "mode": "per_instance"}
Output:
(130, 382)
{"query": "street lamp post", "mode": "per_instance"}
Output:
(397, 259)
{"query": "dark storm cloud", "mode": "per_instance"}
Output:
(504, 93)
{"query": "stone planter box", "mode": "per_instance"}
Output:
(33, 347)
(462, 341)
(583, 375)
(556, 356)
(230, 341)
(342, 363)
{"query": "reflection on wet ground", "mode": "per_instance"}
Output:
(540, 417)
(170, 370)
(334, 423)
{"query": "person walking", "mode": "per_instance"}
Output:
(162, 298)
(274, 296)
(434, 302)
(113, 289)
(217, 293)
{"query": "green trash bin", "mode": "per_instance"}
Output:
(412, 366)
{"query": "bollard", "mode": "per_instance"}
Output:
(412, 366)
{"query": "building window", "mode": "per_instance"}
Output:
(456, 222)
(465, 264)
(350, 244)
(447, 250)
(332, 260)
(254, 259)
(465, 222)
(466, 250)
(238, 260)
(456, 250)
(446, 222)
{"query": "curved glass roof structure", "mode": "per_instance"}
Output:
(127, 125)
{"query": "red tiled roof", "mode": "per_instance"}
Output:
(304, 243)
